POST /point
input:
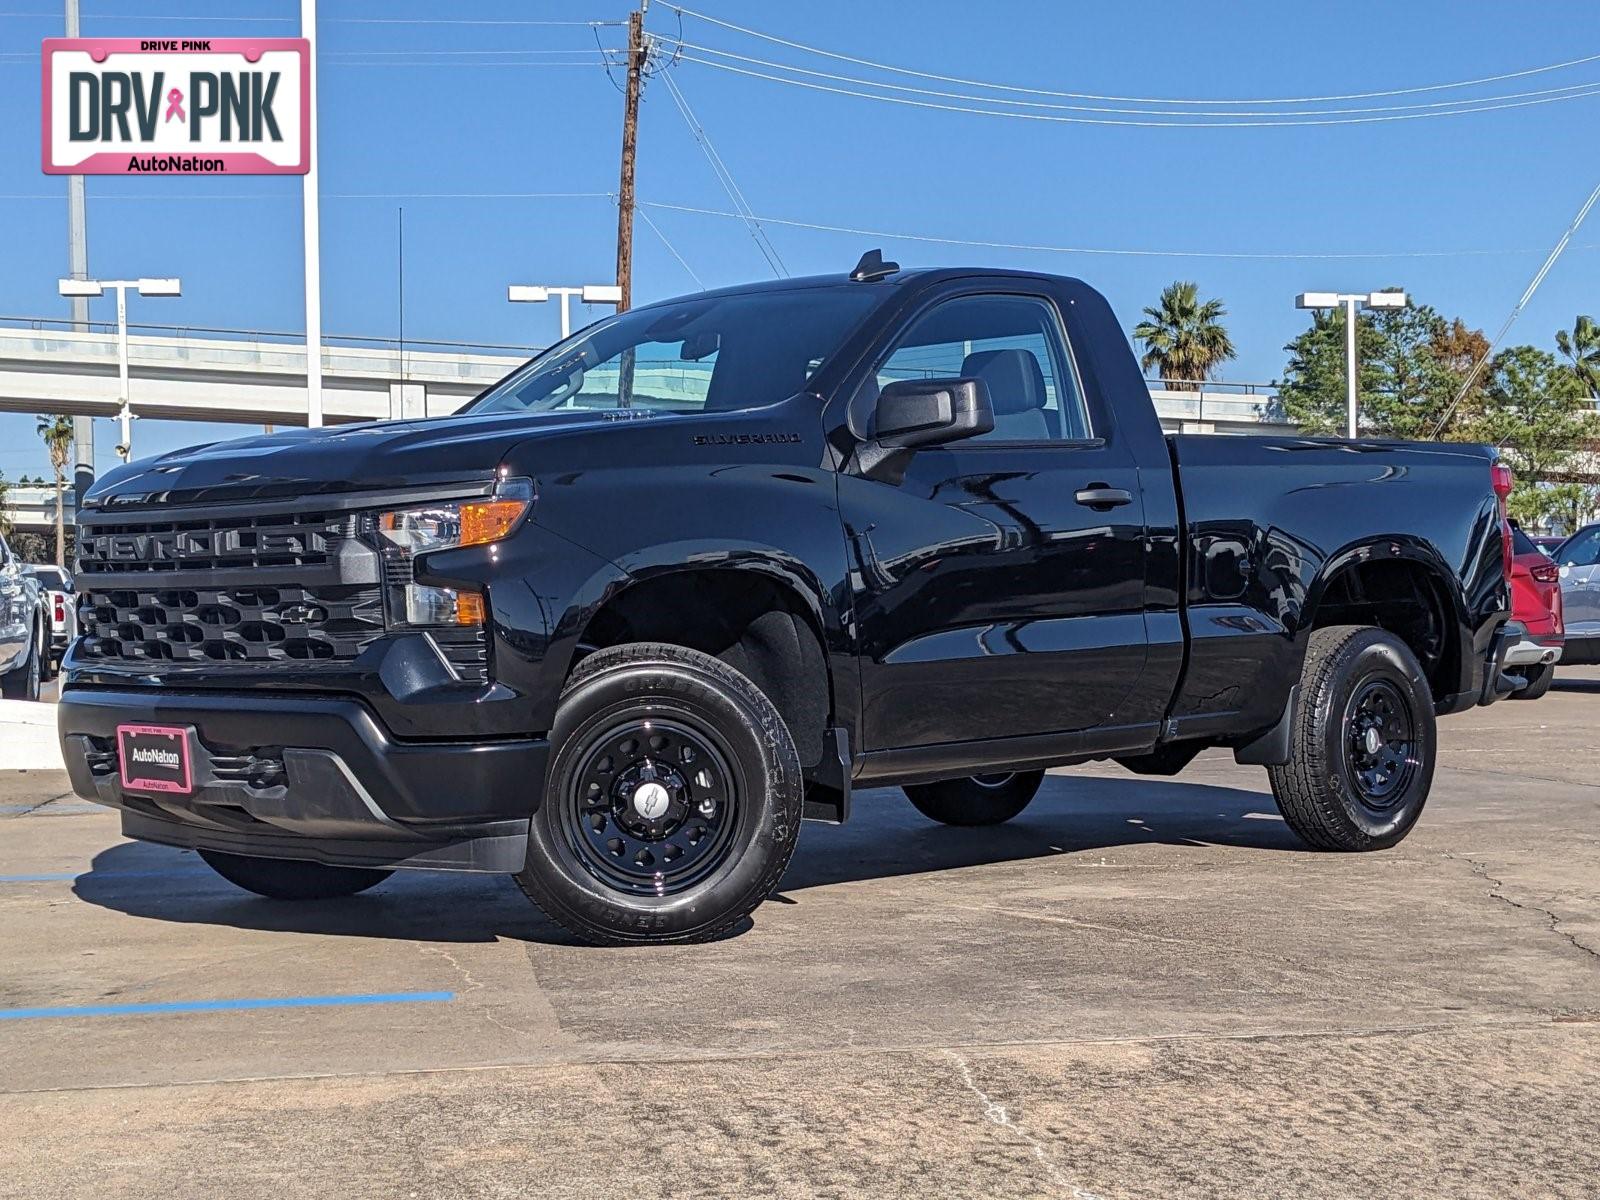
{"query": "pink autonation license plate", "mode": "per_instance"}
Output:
(155, 758)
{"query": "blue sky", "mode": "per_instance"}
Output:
(1501, 184)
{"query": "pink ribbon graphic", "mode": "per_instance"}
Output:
(174, 106)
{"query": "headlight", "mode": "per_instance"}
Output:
(445, 525)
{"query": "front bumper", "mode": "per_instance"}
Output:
(313, 778)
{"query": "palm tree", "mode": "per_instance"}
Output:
(1184, 338)
(1582, 346)
(57, 435)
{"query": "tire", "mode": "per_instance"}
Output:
(291, 879)
(978, 799)
(22, 682)
(1363, 745)
(49, 664)
(672, 803)
(1539, 679)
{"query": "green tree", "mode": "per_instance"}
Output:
(57, 435)
(1582, 347)
(1536, 411)
(1184, 338)
(5, 508)
(1412, 362)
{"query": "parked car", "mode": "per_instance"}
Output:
(61, 612)
(1547, 542)
(1536, 628)
(699, 570)
(1578, 559)
(24, 646)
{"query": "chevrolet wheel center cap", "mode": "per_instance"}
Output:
(651, 800)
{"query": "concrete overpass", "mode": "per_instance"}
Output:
(33, 509)
(257, 379)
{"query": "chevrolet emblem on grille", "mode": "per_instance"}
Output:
(300, 614)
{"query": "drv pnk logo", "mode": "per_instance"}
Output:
(207, 106)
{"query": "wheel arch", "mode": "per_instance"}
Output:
(1400, 584)
(766, 621)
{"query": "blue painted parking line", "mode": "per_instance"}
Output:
(245, 1005)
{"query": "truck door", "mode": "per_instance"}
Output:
(998, 587)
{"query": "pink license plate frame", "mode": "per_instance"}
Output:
(177, 739)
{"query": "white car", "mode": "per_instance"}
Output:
(60, 612)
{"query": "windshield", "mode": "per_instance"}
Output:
(712, 354)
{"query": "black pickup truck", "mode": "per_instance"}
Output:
(693, 574)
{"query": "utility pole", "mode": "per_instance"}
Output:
(630, 138)
(78, 268)
(311, 227)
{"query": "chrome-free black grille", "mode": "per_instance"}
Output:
(238, 623)
(307, 539)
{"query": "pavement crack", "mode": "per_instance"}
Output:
(997, 1114)
(473, 984)
(1497, 891)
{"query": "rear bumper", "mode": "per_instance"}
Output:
(311, 778)
(1531, 649)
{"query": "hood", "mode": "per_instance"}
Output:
(371, 456)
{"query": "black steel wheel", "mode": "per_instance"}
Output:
(1363, 745)
(292, 879)
(654, 807)
(672, 802)
(989, 799)
(1380, 745)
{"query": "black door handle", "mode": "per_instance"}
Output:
(1100, 496)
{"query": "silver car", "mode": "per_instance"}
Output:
(1579, 560)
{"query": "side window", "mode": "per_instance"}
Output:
(1582, 550)
(1016, 346)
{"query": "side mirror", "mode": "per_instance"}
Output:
(915, 413)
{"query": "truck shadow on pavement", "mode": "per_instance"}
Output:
(884, 838)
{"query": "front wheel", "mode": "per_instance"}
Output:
(978, 799)
(1364, 741)
(291, 879)
(672, 803)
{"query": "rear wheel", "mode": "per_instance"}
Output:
(978, 799)
(1539, 679)
(673, 800)
(291, 879)
(22, 681)
(1362, 753)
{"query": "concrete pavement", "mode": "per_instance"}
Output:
(1139, 988)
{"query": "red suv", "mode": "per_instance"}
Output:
(1536, 622)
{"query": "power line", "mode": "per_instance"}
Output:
(1593, 90)
(725, 177)
(682, 262)
(1097, 250)
(1147, 112)
(1002, 87)
(1533, 286)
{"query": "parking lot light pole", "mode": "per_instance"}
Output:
(1351, 301)
(87, 288)
(589, 293)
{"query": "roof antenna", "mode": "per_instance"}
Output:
(872, 268)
